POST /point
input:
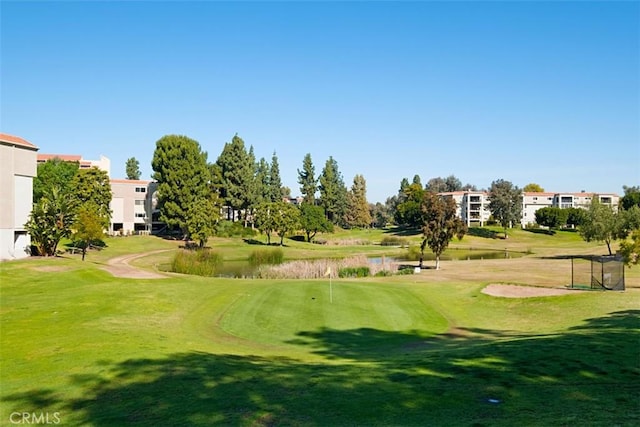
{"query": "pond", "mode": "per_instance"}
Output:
(243, 269)
(455, 255)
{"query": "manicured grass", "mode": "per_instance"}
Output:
(428, 349)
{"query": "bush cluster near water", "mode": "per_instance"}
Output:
(393, 241)
(201, 262)
(266, 256)
(353, 272)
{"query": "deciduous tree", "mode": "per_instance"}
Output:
(277, 217)
(286, 219)
(552, 217)
(54, 173)
(603, 224)
(631, 197)
(93, 186)
(264, 218)
(630, 249)
(88, 227)
(440, 224)
(201, 220)
(313, 221)
(505, 203)
(533, 188)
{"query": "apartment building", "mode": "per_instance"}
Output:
(17, 170)
(103, 164)
(132, 206)
(531, 202)
(472, 206)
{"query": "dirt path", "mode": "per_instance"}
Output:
(120, 267)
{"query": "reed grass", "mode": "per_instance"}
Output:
(315, 269)
(200, 262)
(266, 256)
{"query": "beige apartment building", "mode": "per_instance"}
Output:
(18, 167)
(531, 202)
(473, 206)
(131, 206)
(103, 164)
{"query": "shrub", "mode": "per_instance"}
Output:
(350, 242)
(201, 262)
(413, 253)
(383, 273)
(233, 229)
(405, 270)
(353, 272)
(393, 241)
(268, 256)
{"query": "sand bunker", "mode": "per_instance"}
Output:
(515, 291)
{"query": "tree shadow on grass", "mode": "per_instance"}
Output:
(548, 232)
(588, 373)
(483, 232)
(403, 231)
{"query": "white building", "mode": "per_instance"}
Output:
(103, 164)
(17, 169)
(472, 206)
(132, 206)
(531, 202)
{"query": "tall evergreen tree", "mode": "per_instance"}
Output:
(275, 182)
(133, 168)
(263, 189)
(358, 214)
(307, 180)
(333, 192)
(183, 176)
(237, 174)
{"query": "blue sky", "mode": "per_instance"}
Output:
(544, 92)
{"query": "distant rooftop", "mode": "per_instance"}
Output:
(16, 140)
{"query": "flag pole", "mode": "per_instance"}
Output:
(330, 290)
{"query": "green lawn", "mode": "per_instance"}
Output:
(420, 350)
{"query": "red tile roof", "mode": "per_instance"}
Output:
(130, 181)
(63, 157)
(16, 140)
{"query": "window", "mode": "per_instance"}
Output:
(139, 202)
(140, 214)
(141, 190)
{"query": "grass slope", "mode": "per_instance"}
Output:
(411, 350)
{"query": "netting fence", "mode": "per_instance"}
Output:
(597, 272)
